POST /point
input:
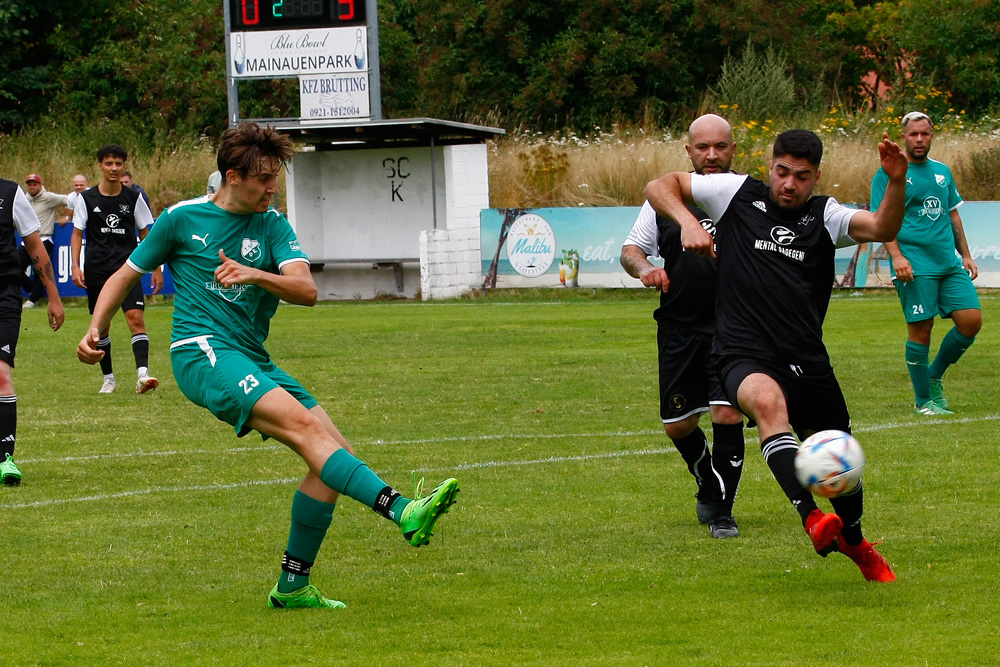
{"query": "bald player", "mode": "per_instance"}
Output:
(685, 324)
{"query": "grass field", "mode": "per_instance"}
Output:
(146, 533)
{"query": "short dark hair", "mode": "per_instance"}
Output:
(111, 150)
(245, 145)
(802, 144)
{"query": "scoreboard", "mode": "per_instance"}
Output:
(253, 15)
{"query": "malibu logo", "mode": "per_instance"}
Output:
(531, 245)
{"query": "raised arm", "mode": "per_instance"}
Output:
(670, 195)
(883, 224)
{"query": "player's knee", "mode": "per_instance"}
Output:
(970, 325)
(681, 429)
(725, 414)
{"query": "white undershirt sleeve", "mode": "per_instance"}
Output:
(713, 193)
(645, 234)
(25, 220)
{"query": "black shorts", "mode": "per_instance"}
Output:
(10, 319)
(813, 395)
(689, 379)
(134, 300)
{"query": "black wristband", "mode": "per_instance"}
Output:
(383, 502)
(295, 566)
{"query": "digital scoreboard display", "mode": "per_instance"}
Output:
(251, 15)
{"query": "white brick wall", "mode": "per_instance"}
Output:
(450, 263)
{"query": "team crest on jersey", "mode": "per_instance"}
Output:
(782, 235)
(250, 249)
(124, 208)
(807, 218)
(294, 245)
(940, 179)
(932, 208)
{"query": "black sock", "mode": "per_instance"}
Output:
(105, 344)
(694, 450)
(849, 508)
(727, 458)
(8, 425)
(779, 453)
(140, 348)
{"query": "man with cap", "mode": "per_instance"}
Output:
(47, 206)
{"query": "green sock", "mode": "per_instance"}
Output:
(311, 519)
(952, 348)
(348, 475)
(917, 355)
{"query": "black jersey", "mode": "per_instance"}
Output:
(690, 299)
(775, 276)
(16, 215)
(9, 265)
(110, 224)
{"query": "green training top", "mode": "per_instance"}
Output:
(926, 237)
(187, 237)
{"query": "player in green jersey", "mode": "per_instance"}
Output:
(233, 258)
(931, 278)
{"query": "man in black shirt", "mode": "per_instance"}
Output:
(111, 215)
(776, 249)
(685, 323)
(16, 215)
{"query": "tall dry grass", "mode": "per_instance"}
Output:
(612, 168)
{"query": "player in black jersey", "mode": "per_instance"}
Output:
(685, 322)
(112, 215)
(16, 215)
(776, 249)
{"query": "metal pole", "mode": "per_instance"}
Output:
(232, 94)
(374, 72)
(434, 194)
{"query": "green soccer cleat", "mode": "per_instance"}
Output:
(421, 513)
(937, 394)
(308, 597)
(931, 409)
(9, 474)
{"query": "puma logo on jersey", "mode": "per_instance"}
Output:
(761, 205)
(203, 239)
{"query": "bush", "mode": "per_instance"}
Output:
(756, 87)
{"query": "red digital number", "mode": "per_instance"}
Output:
(346, 10)
(256, 12)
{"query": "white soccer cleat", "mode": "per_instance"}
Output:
(146, 383)
(108, 387)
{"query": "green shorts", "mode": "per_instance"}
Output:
(226, 382)
(927, 296)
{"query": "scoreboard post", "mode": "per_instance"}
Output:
(330, 46)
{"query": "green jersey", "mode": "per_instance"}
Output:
(926, 238)
(187, 237)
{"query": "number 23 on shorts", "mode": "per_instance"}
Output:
(249, 383)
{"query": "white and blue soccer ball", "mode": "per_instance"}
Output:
(830, 463)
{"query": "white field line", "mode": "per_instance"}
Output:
(462, 466)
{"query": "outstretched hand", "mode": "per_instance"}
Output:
(87, 351)
(892, 157)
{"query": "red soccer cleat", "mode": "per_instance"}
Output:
(872, 564)
(823, 530)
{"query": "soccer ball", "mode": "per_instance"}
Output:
(830, 463)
